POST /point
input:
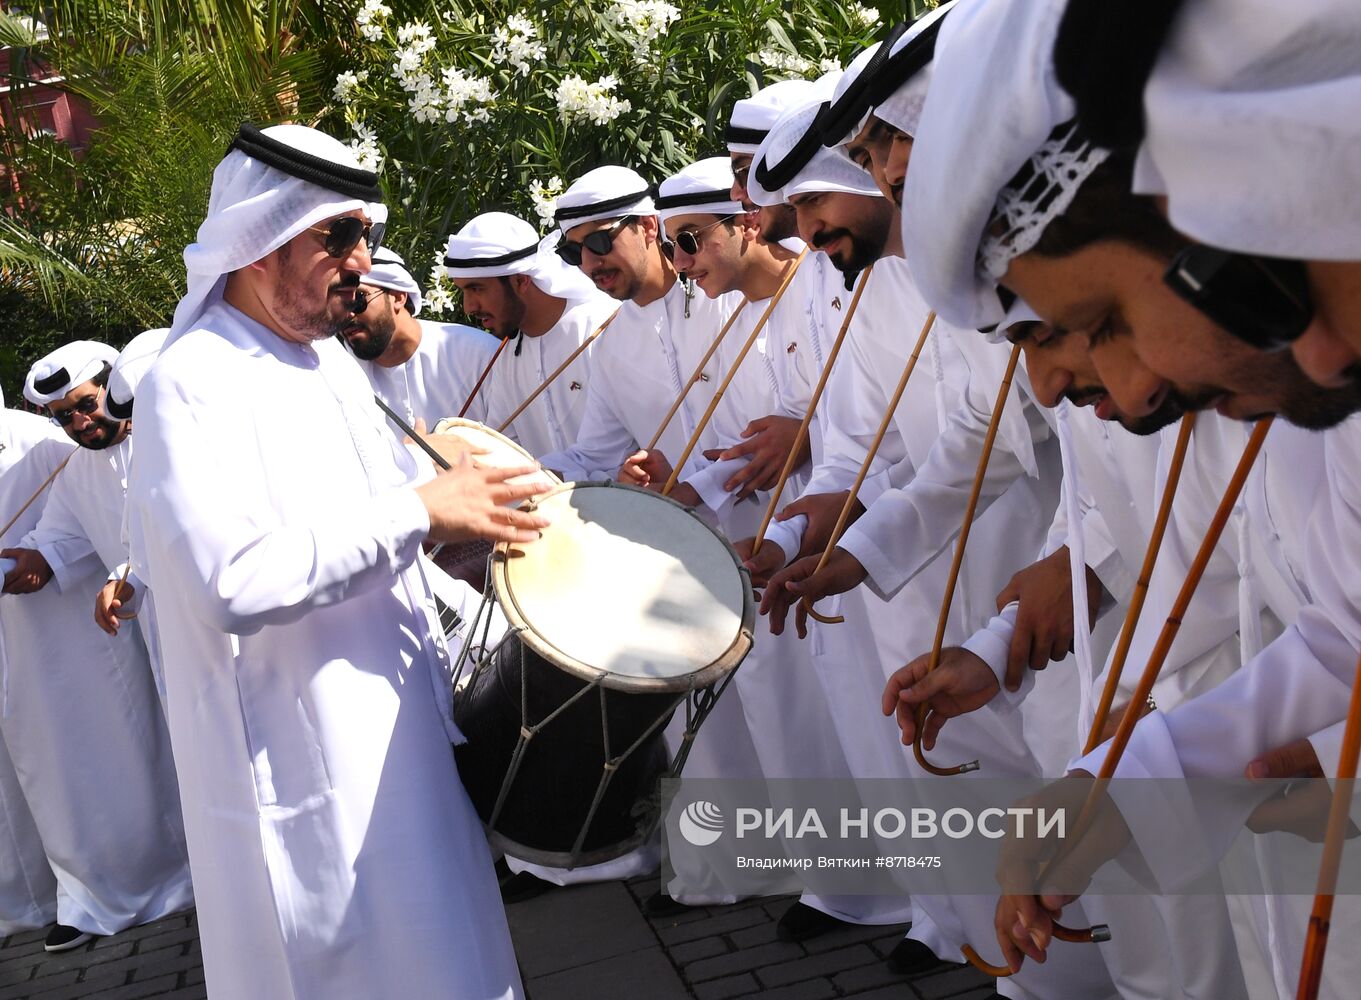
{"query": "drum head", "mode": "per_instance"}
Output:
(500, 451)
(630, 585)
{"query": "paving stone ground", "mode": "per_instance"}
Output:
(581, 943)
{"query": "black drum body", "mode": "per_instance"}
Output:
(560, 769)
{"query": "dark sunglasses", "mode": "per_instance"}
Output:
(689, 242)
(599, 242)
(344, 235)
(1263, 301)
(87, 406)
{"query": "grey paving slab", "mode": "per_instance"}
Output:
(575, 926)
(639, 974)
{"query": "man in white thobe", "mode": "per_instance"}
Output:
(516, 286)
(335, 852)
(423, 370)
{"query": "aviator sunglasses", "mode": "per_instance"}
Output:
(344, 234)
(600, 242)
(689, 242)
(86, 406)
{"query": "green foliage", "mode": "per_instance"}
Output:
(91, 244)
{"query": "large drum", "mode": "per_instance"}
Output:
(628, 608)
(468, 561)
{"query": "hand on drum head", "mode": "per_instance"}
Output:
(467, 502)
(796, 581)
(452, 448)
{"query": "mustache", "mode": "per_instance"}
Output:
(823, 238)
(1084, 395)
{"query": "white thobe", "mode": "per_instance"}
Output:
(1303, 503)
(638, 367)
(28, 889)
(437, 380)
(83, 729)
(550, 423)
(335, 852)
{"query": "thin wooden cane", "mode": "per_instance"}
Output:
(483, 377)
(847, 507)
(997, 409)
(557, 371)
(1136, 604)
(123, 579)
(1154, 666)
(36, 493)
(802, 432)
(1320, 919)
(696, 375)
(789, 270)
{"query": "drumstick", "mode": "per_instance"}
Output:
(1155, 663)
(483, 377)
(865, 467)
(36, 493)
(410, 432)
(788, 276)
(1320, 919)
(998, 407)
(1136, 604)
(557, 371)
(808, 416)
(698, 373)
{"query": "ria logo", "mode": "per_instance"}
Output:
(701, 823)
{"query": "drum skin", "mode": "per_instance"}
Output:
(563, 763)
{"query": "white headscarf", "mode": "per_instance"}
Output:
(753, 117)
(850, 76)
(133, 362)
(1253, 127)
(702, 188)
(824, 170)
(603, 193)
(51, 377)
(515, 248)
(989, 112)
(902, 108)
(389, 271)
(255, 208)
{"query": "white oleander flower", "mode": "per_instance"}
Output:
(346, 84)
(578, 99)
(466, 96)
(545, 199)
(407, 68)
(364, 145)
(427, 102)
(517, 43)
(438, 297)
(862, 16)
(785, 62)
(644, 20)
(416, 35)
(371, 17)
(830, 65)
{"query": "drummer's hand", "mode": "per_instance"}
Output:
(111, 597)
(766, 561)
(467, 502)
(767, 444)
(961, 683)
(822, 510)
(797, 583)
(649, 469)
(30, 575)
(449, 447)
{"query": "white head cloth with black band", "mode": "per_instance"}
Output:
(900, 89)
(54, 375)
(986, 95)
(849, 108)
(389, 271)
(795, 139)
(498, 245)
(752, 117)
(603, 193)
(272, 185)
(133, 362)
(702, 188)
(1253, 127)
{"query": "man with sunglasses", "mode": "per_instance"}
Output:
(610, 230)
(84, 724)
(424, 370)
(277, 521)
(515, 285)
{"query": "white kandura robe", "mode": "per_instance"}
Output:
(1303, 505)
(436, 381)
(83, 729)
(28, 889)
(550, 422)
(638, 367)
(335, 852)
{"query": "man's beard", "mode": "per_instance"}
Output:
(863, 252)
(778, 222)
(109, 433)
(377, 333)
(310, 320)
(1317, 409)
